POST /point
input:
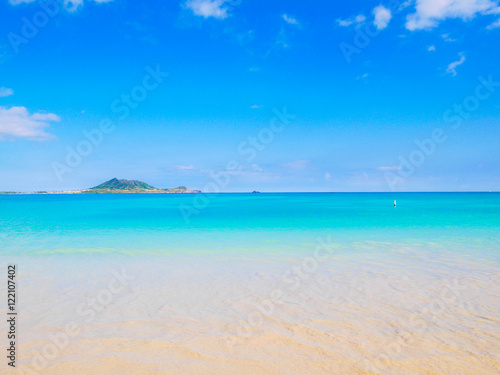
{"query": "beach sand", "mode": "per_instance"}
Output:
(402, 313)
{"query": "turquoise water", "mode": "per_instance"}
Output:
(246, 223)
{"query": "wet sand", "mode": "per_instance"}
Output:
(402, 312)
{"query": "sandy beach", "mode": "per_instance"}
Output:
(407, 313)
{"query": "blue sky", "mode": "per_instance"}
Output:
(182, 88)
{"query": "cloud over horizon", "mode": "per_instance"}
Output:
(296, 164)
(393, 168)
(17, 122)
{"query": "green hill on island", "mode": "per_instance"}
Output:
(133, 186)
(116, 184)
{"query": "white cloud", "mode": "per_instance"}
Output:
(494, 25)
(184, 167)
(405, 5)
(208, 8)
(344, 23)
(357, 21)
(290, 20)
(255, 167)
(297, 164)
(452, 67)
(255, 106)
(328, 177)
(382, 17)
(446, 38)
(428, 13)
(359, 18)
(16, 122)
(362, 76)
(393, 168)
(4, 91)
(431, 48)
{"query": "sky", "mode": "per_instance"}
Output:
(241, 95)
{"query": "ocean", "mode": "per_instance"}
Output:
(235, 224)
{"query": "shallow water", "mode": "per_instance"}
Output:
(236, 223)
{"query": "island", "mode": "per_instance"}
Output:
(116, 186)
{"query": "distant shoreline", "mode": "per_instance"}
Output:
(89, 191)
